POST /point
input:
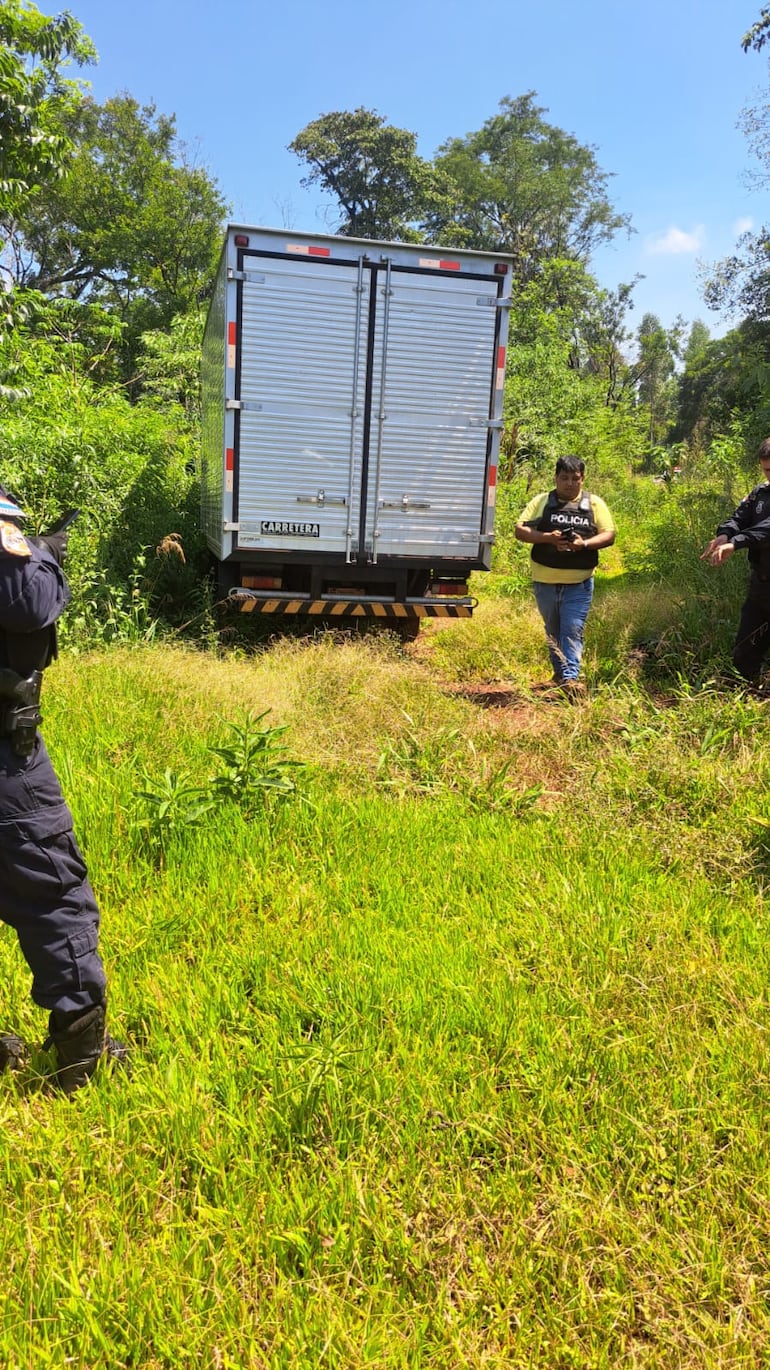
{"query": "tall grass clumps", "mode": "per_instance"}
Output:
(451, 1052)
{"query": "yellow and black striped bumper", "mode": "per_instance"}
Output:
(252, 602)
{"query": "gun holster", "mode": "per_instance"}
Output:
(20, 714)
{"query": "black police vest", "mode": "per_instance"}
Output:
(558, 516)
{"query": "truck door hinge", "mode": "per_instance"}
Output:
(253, 277)
(492, 302)
(228, 527)
(245, 405)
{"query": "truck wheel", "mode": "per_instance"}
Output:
(408, 629)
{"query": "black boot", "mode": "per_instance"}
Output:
(80, 1040)
(13, 1052)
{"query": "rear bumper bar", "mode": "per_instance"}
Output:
(339, 606)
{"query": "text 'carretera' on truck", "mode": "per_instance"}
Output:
(352, 410)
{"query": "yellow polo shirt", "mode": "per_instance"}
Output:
(566, 575)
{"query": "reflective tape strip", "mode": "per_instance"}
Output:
(500, 375)
(306, 250)
(492, 487)
(353, 609)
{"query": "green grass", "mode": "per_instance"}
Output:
(460, 1061)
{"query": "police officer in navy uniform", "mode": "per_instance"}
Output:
(45, 895)
(749, 527)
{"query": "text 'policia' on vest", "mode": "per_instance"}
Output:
(576, 517)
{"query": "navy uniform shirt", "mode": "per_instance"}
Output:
(749, 526)
(33, 591)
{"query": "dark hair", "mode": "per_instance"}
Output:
(571, 464)
(763, 451)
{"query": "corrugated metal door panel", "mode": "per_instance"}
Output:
(297, 359)
(440, 355)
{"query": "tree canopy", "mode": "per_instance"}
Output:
(525, 187)
(34, 97)
(758, 34)
(130, 219)
(740, 283)
(129, 227)
(382, 186)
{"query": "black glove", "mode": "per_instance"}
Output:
(55, 543)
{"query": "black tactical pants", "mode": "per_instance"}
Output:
(44, 891)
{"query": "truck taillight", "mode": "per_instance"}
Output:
(241, 240)
(458, 588)
(501, 269)
(261, 582)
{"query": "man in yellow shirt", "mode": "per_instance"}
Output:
(566, 528)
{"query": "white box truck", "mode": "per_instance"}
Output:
(352, 411)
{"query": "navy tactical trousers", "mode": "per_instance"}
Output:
(44, 891)
(752, 640)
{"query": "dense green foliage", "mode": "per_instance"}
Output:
(66, 441)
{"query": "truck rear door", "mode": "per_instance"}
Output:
(364, 402)
(432, 364)
(301, 371)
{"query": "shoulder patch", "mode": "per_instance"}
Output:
(12, 540)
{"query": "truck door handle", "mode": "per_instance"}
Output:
(321, 498)
(404, 503)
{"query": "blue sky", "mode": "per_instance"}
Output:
(656, 86)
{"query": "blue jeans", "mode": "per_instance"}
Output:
(564, 610)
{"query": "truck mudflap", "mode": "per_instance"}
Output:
(338, 606)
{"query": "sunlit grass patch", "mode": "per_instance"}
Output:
(461, 1063)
